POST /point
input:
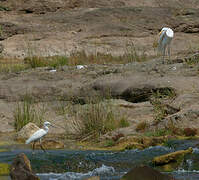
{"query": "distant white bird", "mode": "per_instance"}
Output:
(37, 136)
(81, 66)
(166, 35)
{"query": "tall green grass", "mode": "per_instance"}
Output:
(93, 120)
(26, 112)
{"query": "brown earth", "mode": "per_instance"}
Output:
(46, 28)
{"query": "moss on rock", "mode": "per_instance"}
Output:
(171, 157)
(4, 169)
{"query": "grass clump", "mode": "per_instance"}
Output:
(93, 120)
(98, 119)
(26, 112)
(23, 115)
(132, 54)
(141, 126)
(164, 93)
(123, 122)
(192, 59)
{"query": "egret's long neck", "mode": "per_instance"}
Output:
(46, 128)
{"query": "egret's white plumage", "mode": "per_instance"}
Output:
(166, 36)
(39, 134)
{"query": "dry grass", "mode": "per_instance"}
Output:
(12, 65)
(53, 61)
(130, 55)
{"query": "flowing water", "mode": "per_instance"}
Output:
(109, 165)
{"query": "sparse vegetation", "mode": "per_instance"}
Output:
(131, 54)
(123, 122)
(6, 68)
(54, 61)
(160, 109)
(166, 93)
(76, 58)
(11, 65)
(109, 143)
(192, 59)
(156, 133)
(81, 57)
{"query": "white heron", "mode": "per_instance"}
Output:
(166, 35)
(37, 136)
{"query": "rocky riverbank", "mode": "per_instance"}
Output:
(139, 97)
(144, 99)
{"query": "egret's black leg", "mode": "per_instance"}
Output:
(41, 146)
(164, 54)
(169, 52)
(33, 146)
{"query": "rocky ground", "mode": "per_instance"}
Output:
(61, 27)
(46, 28)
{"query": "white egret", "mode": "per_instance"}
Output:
(37, 136)
(166, 35)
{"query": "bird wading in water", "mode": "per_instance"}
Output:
(165, 37)
(37, 136)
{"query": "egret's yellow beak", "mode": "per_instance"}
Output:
(160, 33)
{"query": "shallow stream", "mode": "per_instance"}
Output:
(109, 165)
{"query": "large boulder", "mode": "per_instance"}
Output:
(21, 169)
(26, 132)
(145, 173)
